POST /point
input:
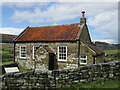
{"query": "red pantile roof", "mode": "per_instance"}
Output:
(48, 49)
(50, 33)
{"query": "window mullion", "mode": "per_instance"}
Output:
(62, 53)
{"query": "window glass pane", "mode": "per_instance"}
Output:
(64, 47)
(60, 58)
(60, 48)
(62, 52)
(83, 59)
(23, 51)
(64, 57)
(83, 56)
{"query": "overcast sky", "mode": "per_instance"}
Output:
(102, 17)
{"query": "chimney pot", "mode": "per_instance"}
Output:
(83, 14)
(82, 19)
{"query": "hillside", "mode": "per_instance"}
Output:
(7, 38)
(107, 46)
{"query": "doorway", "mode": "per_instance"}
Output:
(94, 59)
(52, 61)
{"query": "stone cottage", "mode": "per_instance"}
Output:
(56, 47)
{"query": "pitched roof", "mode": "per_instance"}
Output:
(48, 49)
(50, 33)
(94, 48)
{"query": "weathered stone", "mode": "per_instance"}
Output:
(41, 60)
(60, 78)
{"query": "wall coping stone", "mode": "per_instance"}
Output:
(60, 78)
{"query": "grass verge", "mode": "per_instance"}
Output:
(112, 51)
(99, 84)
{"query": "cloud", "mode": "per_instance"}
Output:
(60, 0)
(49, 15)
(10, 30)
(24, 4)
(101, 16)
(61, 11)
(106, 23)
(28, 0)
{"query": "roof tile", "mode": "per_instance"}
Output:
(94, 48)
(51, 33)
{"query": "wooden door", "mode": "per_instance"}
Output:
(51, 61)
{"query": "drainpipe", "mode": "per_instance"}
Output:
(14, 51)
(82, 23)
(79, 52)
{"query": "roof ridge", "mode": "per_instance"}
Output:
(54, 25)
(51, 33)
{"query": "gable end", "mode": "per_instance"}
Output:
(20, 34)
(80, 31)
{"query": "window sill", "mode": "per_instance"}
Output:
(62, 60)
(23, 58)
(83, 63)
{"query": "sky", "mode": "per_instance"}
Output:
(102, 17)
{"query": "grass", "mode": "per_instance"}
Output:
(112, 55)
(109, 60)
(4, 52)
(7, 46)
(7, 53)
(112, 51)
(23, 70)
(99, 84)
(8, 62)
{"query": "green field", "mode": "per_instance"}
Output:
(99, 84)
(112, 51)
(7, 53)
(112, 55)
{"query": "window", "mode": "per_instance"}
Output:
(34, 49)
(62, 53)
(83, 59)
(22, 51)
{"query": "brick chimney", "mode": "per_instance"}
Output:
(83, 19)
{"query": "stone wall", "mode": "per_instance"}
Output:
(29, 61)
(72, 55)
(60, 78)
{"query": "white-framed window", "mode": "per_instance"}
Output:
(62, 53)
(83, 59)
(23, 52)
(34, 49)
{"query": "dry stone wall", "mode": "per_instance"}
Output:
(60, 78)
